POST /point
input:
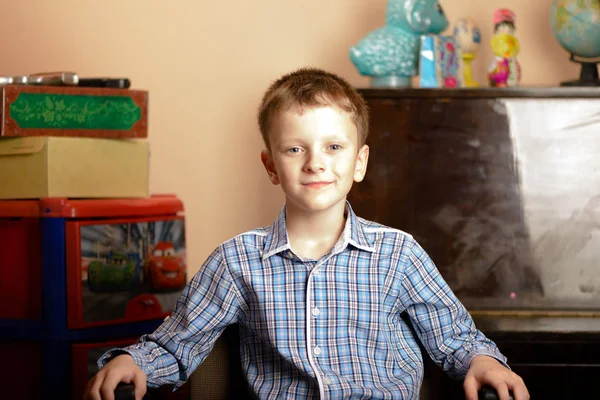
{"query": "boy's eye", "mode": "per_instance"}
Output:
(294, 150)
(335, 147)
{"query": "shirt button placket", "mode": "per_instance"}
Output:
(315, 312)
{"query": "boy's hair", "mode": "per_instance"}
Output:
(312, 87)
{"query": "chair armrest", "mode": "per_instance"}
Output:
(489, 393)
(124, 391)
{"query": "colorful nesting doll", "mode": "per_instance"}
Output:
(504, 70)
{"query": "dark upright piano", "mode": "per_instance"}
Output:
(502, 188)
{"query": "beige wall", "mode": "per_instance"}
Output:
(206, 63)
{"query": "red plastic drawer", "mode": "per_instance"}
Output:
(20, 268)
(84, 359)
(21, 376)
(124, 269)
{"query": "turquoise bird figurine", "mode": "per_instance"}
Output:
(390, 54)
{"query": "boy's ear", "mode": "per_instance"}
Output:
(361, 163)
(267, 160)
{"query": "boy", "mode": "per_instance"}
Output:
(318, 296)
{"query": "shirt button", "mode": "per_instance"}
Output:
(316, 271)
(326, 381)
(316, 311)
(317, 350)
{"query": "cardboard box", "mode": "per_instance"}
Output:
(35, 167)
(73, 111)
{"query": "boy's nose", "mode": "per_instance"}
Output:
(314, 163)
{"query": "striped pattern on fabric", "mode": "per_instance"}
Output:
(331, 328)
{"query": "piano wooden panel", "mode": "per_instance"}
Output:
(502, 188)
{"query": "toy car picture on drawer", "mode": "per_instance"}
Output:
(125, 271)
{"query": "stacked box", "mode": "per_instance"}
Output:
(73, 111)
(88, 259)
(78, 142)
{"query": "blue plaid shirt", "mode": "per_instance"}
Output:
(328, 328)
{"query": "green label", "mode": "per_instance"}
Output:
(66, 111)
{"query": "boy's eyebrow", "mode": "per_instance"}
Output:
(326, 138)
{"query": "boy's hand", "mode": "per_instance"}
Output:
(120, 369)
(486, 370)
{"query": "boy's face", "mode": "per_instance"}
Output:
(315, 157)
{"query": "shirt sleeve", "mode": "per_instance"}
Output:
(208, 303)
(441, 321)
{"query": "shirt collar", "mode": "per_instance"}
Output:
(354, 232)
(277, 238)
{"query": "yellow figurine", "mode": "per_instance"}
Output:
(468, 38)
(505, 70)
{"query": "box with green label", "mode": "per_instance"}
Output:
(73, 111)
(45, 166)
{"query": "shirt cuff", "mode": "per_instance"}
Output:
(137, 358)
(464, 357)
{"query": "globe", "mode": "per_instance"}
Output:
(576, 26)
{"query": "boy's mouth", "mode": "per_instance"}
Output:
(316, 185)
